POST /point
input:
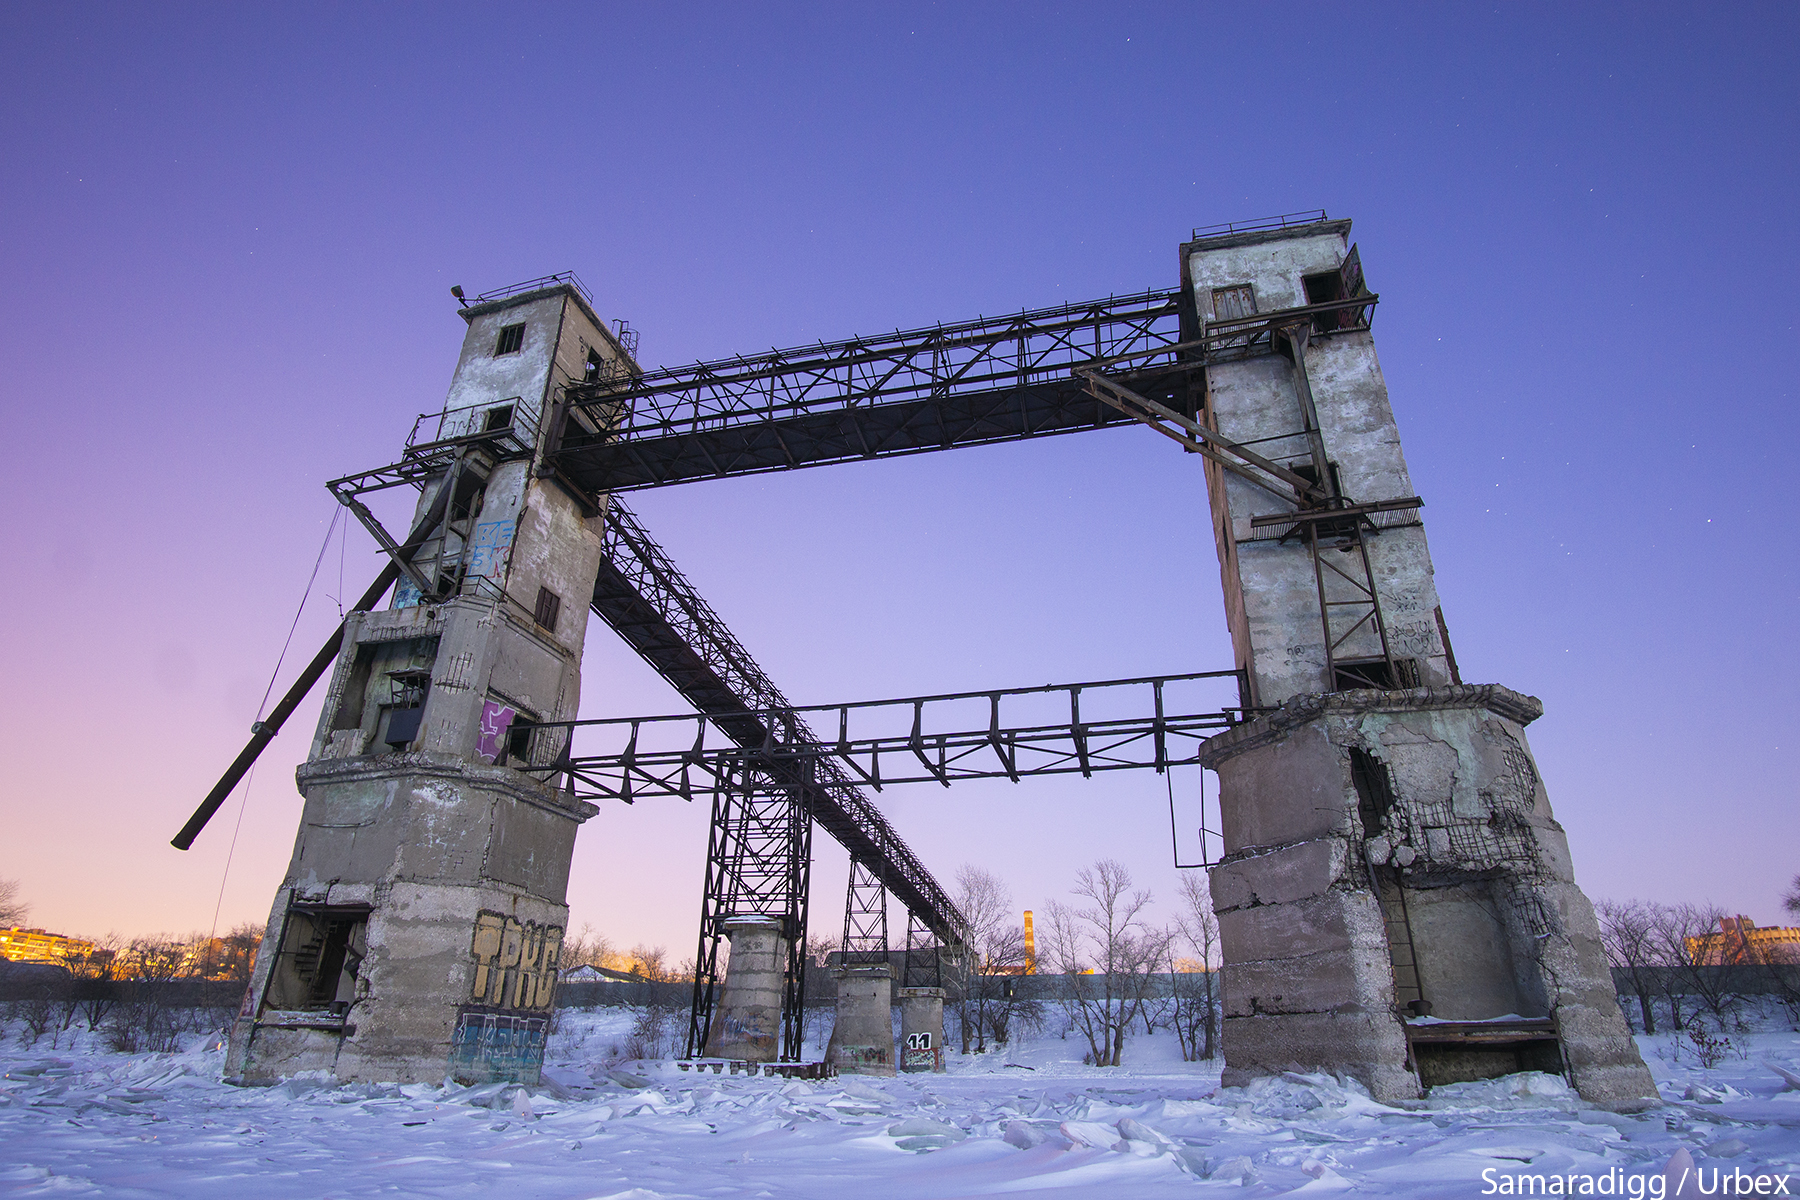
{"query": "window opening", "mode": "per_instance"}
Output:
(1374, 791)
(518, 742)
(512, 339)
(499, 417)
(549, 604)
(406, 706)
(1323, 289)
(1376, 673)
(1310, 473)
(595, 366)
(1239, 300)
(322, 951)
(386, 677)
(1369, 673)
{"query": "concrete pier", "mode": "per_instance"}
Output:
(747, 1024)
(417, 933)
(1403, 860)
(921, 1029)
(862, 1042)
(1391, 854)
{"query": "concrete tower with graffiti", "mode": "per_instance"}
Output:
(418, 930)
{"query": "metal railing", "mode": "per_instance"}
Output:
(1311, 216)
(461, 426)
(532, 285)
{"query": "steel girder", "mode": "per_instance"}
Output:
(642, 595)
(986, 380)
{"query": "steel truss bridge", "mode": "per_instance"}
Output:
(1122, 360)
(1131, 724)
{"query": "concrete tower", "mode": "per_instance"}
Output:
(1390, 849)
(418, 930)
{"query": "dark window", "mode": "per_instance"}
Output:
(549, 604)
(1374, 673)
(498, 418)
(1236, 301)
(406, 707)
(1323, 289)
(595, 367)
(518, 742)
(1310, 473)
(512, 337)
(1374, 791)
(321, 953)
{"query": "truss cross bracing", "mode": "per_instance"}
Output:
(758, 858)
(865, 918)
(1062, 729)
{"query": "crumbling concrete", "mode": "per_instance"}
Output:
(1390, 850)
(746, 1023)
(1497, 925)
(417, 933)
(862, 1040)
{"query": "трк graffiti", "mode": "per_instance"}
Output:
(515, 963)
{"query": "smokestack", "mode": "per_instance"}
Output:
(1030, 946)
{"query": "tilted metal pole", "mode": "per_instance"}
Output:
(264, 731)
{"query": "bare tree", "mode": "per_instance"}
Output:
(1628, 931)
(145, 1019)
(650, 962)
(983, 982)
(1195, 1010)
(13, 908)
(1681, 932)
(819, 947)
(95, 985)
(1106, 955)
(238, 957)
(590, 949)
(1791, 901)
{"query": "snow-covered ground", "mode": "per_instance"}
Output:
(1033, 1120)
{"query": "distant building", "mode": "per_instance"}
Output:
(36, 945)
(593, 974)
(1740, 943)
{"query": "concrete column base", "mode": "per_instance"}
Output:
(747, 1023)
(1434, 792)
(921, 1029)
(862, 1041)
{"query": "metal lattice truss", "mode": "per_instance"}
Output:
(642, 595)
(986, 380)
(924, 957)
(758, 860)
(865, 918)
(1153, 722)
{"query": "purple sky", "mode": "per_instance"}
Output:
(229, 237)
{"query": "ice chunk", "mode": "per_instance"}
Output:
(924, 1127)
(1137, 1131)
(1091, 1133)
(1239, 1168)
(925, 1142)
(1188, 1108)
(1023, 1135)
(1324, 1177)
(624, 1079)
(521, 1105)
(1788, 1077)
(1728, 1147)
